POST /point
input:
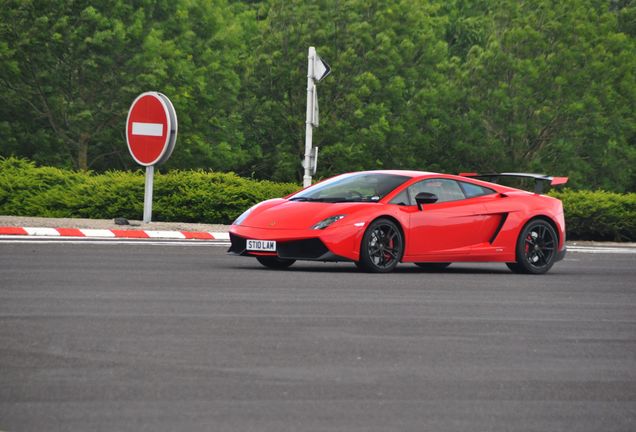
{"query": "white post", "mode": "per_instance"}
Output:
(308, 127)
(150, 173)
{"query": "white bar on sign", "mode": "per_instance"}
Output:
(148, 129)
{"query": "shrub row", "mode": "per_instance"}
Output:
(212, 197)
(185, 196)
(598, 215)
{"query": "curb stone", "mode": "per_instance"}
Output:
(113, 233)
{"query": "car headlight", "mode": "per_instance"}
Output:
(239, 220)
(326, 222)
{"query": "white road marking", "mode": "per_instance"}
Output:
(147, 129)
(601, 250)
(41, 231)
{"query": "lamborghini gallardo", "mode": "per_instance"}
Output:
(378, 219)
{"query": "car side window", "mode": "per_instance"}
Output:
(446, 190)
(473, 190)
(401, 199)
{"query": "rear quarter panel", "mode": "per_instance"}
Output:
(521, 208)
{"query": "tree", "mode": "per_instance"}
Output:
(443, 85)
(70, 69)
(386, 58)
(553, 90)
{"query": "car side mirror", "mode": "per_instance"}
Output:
(425, 198)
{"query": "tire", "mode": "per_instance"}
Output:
(536, 248)
(382, 247)
(275, 262)
(433, 266)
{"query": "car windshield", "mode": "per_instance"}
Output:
(362, 187)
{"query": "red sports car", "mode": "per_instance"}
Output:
(377, 219)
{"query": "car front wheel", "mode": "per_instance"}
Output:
(382, 247)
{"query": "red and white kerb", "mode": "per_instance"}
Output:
(112, 233)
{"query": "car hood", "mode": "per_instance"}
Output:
(295, 215)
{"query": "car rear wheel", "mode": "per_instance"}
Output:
(381, 248)
(536, 248)
(275, 262)
(433, 266)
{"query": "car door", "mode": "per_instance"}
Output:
(490, 199)
(450, 226)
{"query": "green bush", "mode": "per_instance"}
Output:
(598, 215)
(212, 197)
(184, 196)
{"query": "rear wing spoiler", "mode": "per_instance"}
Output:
(540, 180)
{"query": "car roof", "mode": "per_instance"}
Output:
(424, 174)
(407, 173)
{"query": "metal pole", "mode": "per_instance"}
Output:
(308, 128)
(150, 173)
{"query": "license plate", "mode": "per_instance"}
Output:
(261, 245)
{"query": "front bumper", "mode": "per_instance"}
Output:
(334, 244)
(308, 249)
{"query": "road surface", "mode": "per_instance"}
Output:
(106, 337)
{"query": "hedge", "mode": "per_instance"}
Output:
(183, 196)
(598, 215)
(212, 197)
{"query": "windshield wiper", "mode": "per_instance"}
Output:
(307, 199)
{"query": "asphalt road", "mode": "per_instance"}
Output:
(173, 338)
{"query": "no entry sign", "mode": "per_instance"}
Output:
(151, 131)
(151, 128)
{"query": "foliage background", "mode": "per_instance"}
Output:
(440, 85)
(209, 197)
(181, 196)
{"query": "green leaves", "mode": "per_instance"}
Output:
(599, 215)
(545, 87)
(213, 197)
(187, 196)
(71, 69)
(443, 85)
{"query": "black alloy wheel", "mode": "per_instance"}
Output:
(382, 247)
(275, 262)
(432, 266)
(536, 248)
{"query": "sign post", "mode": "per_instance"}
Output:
(317, 69)
(151, 133)
(150, 179)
